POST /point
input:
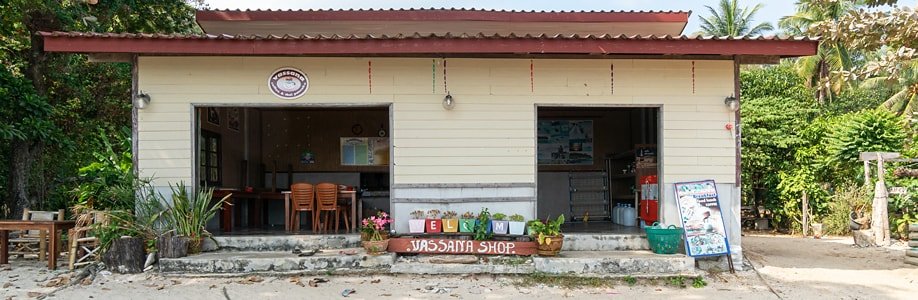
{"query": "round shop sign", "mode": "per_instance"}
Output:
(288, 83)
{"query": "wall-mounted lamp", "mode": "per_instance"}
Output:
(141, 100)
(448, 102)
(731, 103)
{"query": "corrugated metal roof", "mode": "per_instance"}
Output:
(416, 35)
(461, 9)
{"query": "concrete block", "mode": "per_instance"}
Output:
(275, 262)
(281, 243)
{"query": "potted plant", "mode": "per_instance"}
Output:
(450, 221)
(467, 222)
(483, 226)
(374, 228)
(517, 226)
(499, 224)
(365, 234)
(548, 235)
(416, 223)
(189, 214)
(433, 223)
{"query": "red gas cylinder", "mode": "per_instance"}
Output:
(650, 195)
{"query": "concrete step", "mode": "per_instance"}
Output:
(240, 262)
(281, 243)
(568, 263)
(616, 263)
(286, 243)
(605, 242)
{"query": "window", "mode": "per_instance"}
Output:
(209, 157)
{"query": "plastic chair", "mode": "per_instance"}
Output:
(327, 202)
(303, 196)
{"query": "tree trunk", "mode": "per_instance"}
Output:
(170, 246)
(125, 256)
(21, 159)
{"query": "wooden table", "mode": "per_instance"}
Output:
(351, 195)
(226, 221)
(54, 228)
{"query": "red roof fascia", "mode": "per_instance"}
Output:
(439, 15)
(408, 46)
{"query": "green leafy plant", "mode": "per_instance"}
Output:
(418, 214)
(499, 217)
(517, 218)
(469, 215)
(698, 282)
(678, 281)
(107, 183)
(188, 214)
(433, 214)
(630, 280)
(481, 229)
(545, 231)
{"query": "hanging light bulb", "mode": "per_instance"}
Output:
(448, 102)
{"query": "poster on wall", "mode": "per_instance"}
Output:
(232, 118)
(565, 142)
(363, 151)
(699, 209)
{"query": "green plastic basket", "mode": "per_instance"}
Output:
(664, 240)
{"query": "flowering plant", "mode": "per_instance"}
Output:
(374, 226)
(433, 214)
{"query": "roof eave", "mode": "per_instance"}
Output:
(409, 46)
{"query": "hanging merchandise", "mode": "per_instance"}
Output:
(650, 195)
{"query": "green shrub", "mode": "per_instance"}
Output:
(848, 198)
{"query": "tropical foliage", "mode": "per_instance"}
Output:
(729, 19)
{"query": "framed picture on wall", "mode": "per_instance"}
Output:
(213, 115)
(232, 118)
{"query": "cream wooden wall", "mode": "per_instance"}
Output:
(490, 135)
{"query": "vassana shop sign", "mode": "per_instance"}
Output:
(448, 246)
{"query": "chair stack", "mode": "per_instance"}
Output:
(911, 254)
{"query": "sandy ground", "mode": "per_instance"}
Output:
(787, 268)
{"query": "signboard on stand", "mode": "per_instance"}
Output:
(699, 209)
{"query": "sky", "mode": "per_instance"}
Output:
(771, 11)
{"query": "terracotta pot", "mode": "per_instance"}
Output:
(450, 225)
(552, 248)
(376, 247)
(364, 237)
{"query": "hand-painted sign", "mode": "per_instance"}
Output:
(288, 83)
(445, 246)
(705, 233)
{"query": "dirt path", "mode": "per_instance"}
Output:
(831, 268)
(790, 268)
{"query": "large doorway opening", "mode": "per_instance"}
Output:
(257, 154)
(598, 166)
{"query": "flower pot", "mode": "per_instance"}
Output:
(500, 227)
(450, 225)
(416, 225)
(467, 225)
(517, 228)
(365, 237)
(434, 225)
(551, 245)
(194, 245)
(376, 247)
(486, 224)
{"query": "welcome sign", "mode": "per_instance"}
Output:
(699, 208)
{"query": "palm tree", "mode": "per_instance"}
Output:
(831, 57)
(731, 20)
(905, 101)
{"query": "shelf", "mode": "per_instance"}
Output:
(623, 197)
(594, 203)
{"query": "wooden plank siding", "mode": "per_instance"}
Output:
(490, 135)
